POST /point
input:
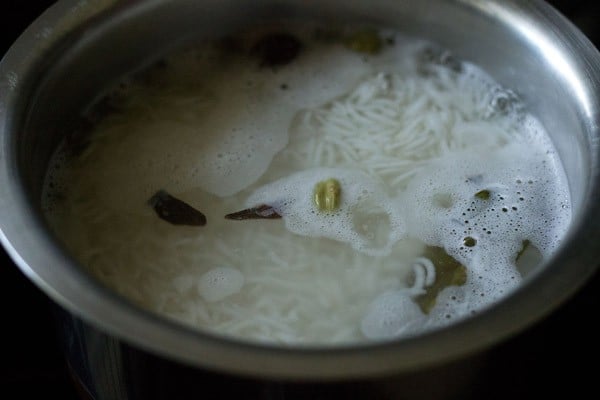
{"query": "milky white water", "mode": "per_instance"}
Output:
(446, 181)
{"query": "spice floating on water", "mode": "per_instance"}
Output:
(175, 211)
(448, 272)
(469, 241)
(263, 211)
(483, 194)
(327, 195)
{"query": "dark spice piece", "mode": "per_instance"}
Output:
(483, 194)
(277, 49)
(261, 212)
(175, 211)
(469, 241)
(448, 272)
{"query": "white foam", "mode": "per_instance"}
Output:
(363, 201)
(392, 314)
(525, 204)
(219, 283)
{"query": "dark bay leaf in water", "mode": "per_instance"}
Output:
(175, 211)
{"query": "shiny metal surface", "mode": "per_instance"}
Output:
(60, 64)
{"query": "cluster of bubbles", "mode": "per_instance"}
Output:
(362, 198)
(481, 208)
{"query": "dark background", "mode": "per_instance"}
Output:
(556, 357)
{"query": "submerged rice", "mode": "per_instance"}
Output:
(411, 137)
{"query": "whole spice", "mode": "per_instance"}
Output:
(175, 211)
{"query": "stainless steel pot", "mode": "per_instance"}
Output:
(61, 62)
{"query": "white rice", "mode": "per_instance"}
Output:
(220, 136)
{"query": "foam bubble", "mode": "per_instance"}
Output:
(366, 219)
(392, 314)
(481, 208)
(219, 283)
